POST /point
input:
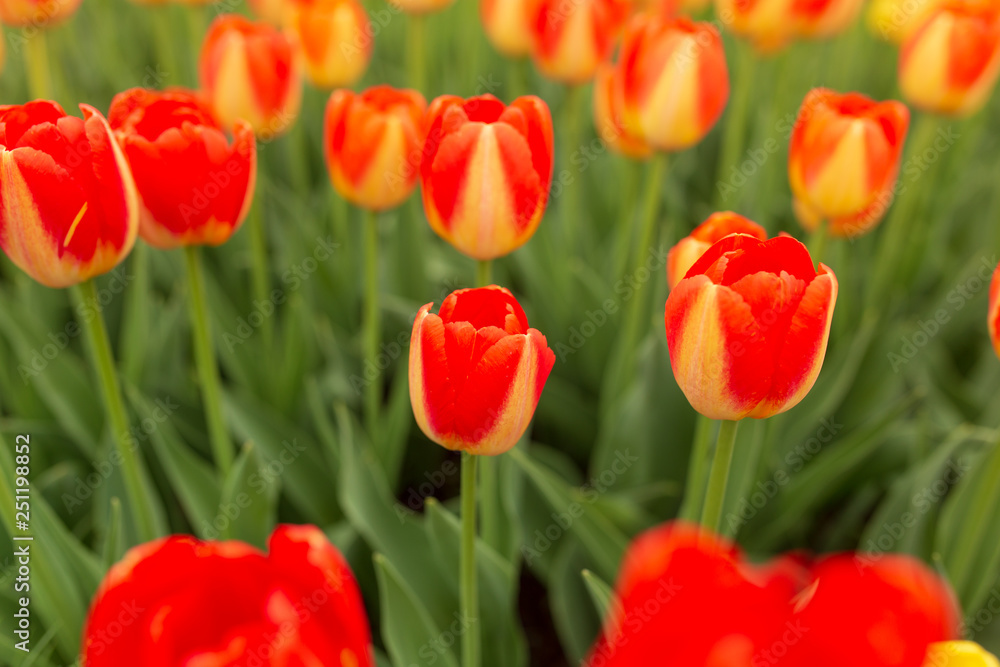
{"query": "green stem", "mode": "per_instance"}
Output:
(715, 495)
(484, 272)
(467, 576)
(135, 319)
(694, 493)
(37, 62)
(163, 42)
(260, 271)
(818, 240)
(734, 135)
(490, 497)
(975, 526)
(569, 208)
(371, 326)
(137, 488)
(208, 368)
(416, 46)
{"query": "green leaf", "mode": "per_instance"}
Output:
(601, 594)
(248, 506)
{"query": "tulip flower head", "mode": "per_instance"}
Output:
(36, 13)
(718, 226)
(844, 158)
(195, 185)
(959, 654)
(747, 327)
(275, 12)
(373, 144)
(70, 210)
(994, 310)
(771, 24)
(332, 36)
(826, 18)
(950, 64)
(609, 117)
(508, 25)
(223, 603)
(895, 20)
(249, 70)
(476, 371)
(486, 172)
(420, 6)
(571, 38)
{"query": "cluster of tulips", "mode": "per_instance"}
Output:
(746, 322)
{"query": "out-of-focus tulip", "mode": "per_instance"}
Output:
(895, 20)
(70, 210)
(690, 248)
(195, 186)
(420, 6)
(275, 12)
(771, 24)
(570, 39)
(844, 158)
(476, 371)
(673, 79)
(333, 39)
(486, 172)
(950, 63)
(748, 325)
(373, 144)
(249, 70)
(36, 13)
(609, 118)
(959, 654)
(508, 25)
(224, 603)
(994, 310)
(826, 18)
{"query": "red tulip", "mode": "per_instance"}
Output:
(718, 226)
(476, 371)
(373, 143)
(772, 24)
(333, 40)
(571, 38)
(994, 310)
(70, 210)
(36, 13)
(196, 186)
(180, 601)
(747, 327)
(486, 172)
(249, 70)
(843, 160)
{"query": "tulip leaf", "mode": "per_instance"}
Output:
(601, 594)
(248, 504)
(576, 620)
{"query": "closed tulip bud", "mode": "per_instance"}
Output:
(747, 327)
(950, 63)
(508, 25)
(486, 172)
(843, 160)
(70, 207)
(275, 12)
(959, 654)
(826, 18)
(249, 70)
(609, 117)
(333, 39)
(181, 601)
(196, 187)
(895, 20)
(373, 144)
(994, 310)
(420, 6)
(674, 80)
(36, 13)
(573, 37)
(476, 371)
(690, 248)
(769, 24)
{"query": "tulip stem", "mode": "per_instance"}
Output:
(137, 488)
(260, 276)
(734, 132)
(208, 368)
(469, 595)
(484, 272)
(371, 326)
(37, 62)
(818, 240)
(489, 501)
(715, 494)
(694, 492)
(416, 46)
(569, 210)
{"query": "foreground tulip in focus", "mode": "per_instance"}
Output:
(195, 185)
(843, 160)
(690, 248)
(486, 172)
(70, 207)
(748, 325)
(227, 603)
(476, 371)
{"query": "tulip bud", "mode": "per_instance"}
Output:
(959, 654)
(36, 13)
(420, 6)
(994, 310)
(486, 172)
(895, 20)
(249, 70)
(674, 80)
(844, 158)
(826, 18)
(572, 37)
(196, 187)
(508, 25)
(333, 38)
(769, 24)
(181, 601)
(275, 12)
(373, 144)
(690, 248)
(476, 371)
(609, 118)
(747, 327)
(950, 63)
(70, 207)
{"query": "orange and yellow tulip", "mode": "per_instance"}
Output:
(609, 117)
(333, 40)
(895, 20)
(36, 13)
(747, 327)
(373, 144)
(420, 6)
(572, 38)
(959, 654)
(508, 25)
(476, 371)
(486, 172)
(771, 24)
(717, 227)
(70, 209)
(843, 160)
(993, 322)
